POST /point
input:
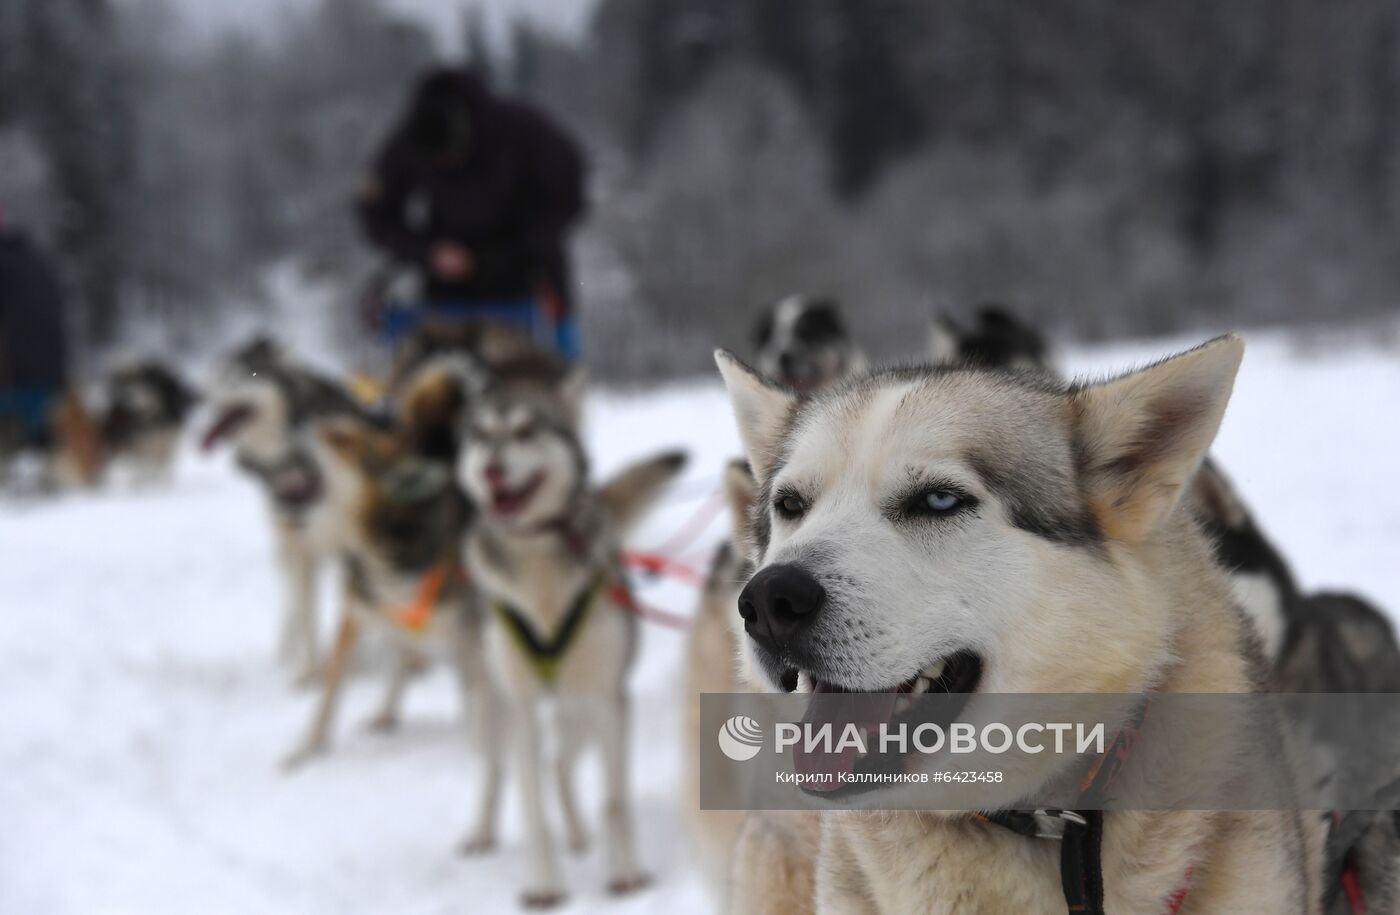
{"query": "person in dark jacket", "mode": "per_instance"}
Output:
(478, 193)
(33, 349)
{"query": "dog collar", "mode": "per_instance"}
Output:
(546, 653)
(1080, 832)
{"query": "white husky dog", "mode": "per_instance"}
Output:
(970, 530)
(545, 555)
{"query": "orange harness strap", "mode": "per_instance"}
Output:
(418, 613)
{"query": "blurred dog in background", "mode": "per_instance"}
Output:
(147, 403)
(263, 402)
(561, 639)
(801, 341)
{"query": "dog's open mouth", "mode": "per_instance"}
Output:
(229, 421)
(957, 674)
(508, 501)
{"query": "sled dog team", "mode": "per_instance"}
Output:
(468, 531)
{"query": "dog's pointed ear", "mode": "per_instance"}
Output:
(1142, 437)
(943, 337)
(635, 488)
(740, 492)
(572, 389)
(760, 409)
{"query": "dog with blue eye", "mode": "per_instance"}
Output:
(966, 530)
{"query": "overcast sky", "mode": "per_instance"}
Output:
(205, 19)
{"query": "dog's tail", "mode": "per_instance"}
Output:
(634, 489)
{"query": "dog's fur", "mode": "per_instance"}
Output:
(147, 403)
(715, 664)
(264, 403)
(712, 666)
(1066, 539)
(802, 342)
(545, 535)
(430, 399)
(1325, 642)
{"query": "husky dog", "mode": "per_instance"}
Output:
(964, 530)
(712, 666)
(1262, 582)
(559, 639)
(998, 339)
(404, 523)
(263, 402)
(430, 399)
(802, 342)
(1325, 642)
(147, 403)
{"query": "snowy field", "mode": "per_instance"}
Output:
(142, 719)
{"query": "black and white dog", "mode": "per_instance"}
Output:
(147, 403)
(997, 339)
(801, 341)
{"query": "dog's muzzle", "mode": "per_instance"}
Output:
(780, 605)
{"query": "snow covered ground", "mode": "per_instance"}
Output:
(141, 718)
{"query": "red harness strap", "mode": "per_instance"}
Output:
(1177, 899)
(1351, 885)
(623, 597)
(660, 564)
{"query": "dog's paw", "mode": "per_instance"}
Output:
(307, 678)
(476, 844)
(300, 757)
(541, 899)
(628, 883)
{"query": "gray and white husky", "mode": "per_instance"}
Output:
(263, 402)
(545, 555)
(966, 530)
(147, 403)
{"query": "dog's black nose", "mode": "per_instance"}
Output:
(779, 603)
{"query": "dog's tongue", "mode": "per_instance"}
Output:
(834, 706)
(222, 426)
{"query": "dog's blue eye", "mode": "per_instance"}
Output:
(940, 500)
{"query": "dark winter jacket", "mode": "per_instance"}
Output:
(492, 175)
(33, 352)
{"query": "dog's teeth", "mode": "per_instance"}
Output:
(921, 685)
(934, 671)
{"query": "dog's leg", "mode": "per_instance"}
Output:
(543, 887)
(572, 736)
(316, 737)
(405, 663)
(489, 739)
(623, 874)
(482, 706)
(298, 643)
